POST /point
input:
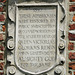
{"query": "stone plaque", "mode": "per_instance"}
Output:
(36, 36)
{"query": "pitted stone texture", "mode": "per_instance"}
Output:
(10, 44)
(12, 70)
(35, 38)
(10, 58)
(20, 1)
(12, 2)
(11, 30)
(59, 70)
(61, 60)
(11, 33)
(61, 46)
(11, 12)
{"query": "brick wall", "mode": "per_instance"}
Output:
(71, 38)
(2, 35)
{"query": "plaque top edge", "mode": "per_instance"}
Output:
(37, 4)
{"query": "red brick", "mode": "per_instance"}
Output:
(2, 18)
(1, 56)
(71, 36)
(74, 73)
(71, 46)
(1, 37)
(1, 9)
(72, 27)
(72, 0)
(1, 66)
(1, 73)
(70, 73)
(1, 47)
(3, 28)
(73, 18)
(2, 0)
(72, 56)
(72, 8)
(72, 65)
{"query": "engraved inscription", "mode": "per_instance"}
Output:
(36, 38)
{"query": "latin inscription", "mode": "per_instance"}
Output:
(36, 38)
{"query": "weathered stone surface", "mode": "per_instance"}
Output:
(12, 2)
(11, 12)
(12, 70)
(20, 1)
(29, 57)
(36, 42)
(10, 44)
(11, 30)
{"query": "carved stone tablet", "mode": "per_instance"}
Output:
(36, 36)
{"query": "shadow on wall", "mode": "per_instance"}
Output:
(42, 0)
(12, 2)
(51, 1)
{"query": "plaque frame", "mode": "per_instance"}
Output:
(57, 34)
